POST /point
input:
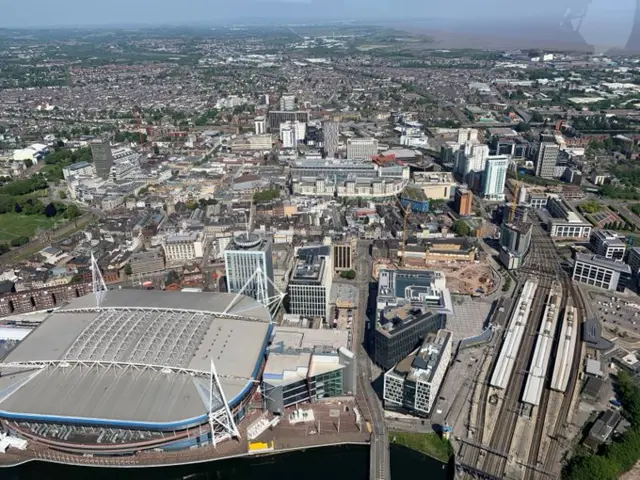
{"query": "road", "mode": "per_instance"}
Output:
(379, 468)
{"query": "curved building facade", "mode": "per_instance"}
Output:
(145, 370)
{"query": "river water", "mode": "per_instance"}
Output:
(333, 463)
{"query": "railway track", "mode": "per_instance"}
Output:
(502, 437)
(551, 459)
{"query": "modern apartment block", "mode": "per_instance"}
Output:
(331, 134)
(310, 284)
(464, 201)
(412, 385)
(494, 178)
(547, 156)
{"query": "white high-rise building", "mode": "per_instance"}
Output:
(301, 131)
(478, 155)
(331, 132)
(249, 252)
(362, 148)
(260, 124)
(288, 102)
(288, 135)
(494, 178)
(467, 135)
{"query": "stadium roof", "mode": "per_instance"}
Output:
(141, 361)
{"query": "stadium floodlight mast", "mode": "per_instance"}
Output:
(99, 286)
(222, 417)
(258, 279)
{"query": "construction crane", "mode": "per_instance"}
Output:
(516, 192)
(406, 211)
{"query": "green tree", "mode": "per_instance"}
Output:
(127, 269)
(62, 194)
(16, 242)
(28, 163)
(461, 228)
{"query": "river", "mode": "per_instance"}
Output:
(335, 463)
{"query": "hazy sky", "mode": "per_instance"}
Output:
(606, 22)
(16, 13)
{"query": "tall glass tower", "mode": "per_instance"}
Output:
(249, 252)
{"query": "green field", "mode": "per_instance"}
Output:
(13, 225)
(428, 443)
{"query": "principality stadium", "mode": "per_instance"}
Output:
(137, 370)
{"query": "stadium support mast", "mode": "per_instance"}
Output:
(221, 417)
(99, 287)
(258, 280)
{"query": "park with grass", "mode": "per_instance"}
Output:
(430, 444)
(14, 225)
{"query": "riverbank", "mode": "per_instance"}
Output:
(429, 444)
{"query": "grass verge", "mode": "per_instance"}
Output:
(428, 443)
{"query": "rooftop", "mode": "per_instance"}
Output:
(603, 262)
(422, 364)
(171, 339)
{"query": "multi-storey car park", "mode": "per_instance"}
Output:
(513, 337)
(138, 370)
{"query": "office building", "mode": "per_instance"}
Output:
(566, 222)
(260, 125)
(331, 135)
(607, 244)
(249, 252)
(288, 102)
(102, 158)
(601, 272)
(435, 185)
(410, 304)
(547, 156)
(343, 254)
(183, 247)
(144, 263)
(412, 385)
(310, 284)
(362, 148)
(78, 170)
(276, 117)
(537, 200)
(494, 178)
(633, 260)
(464, 201)
(306, 365)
